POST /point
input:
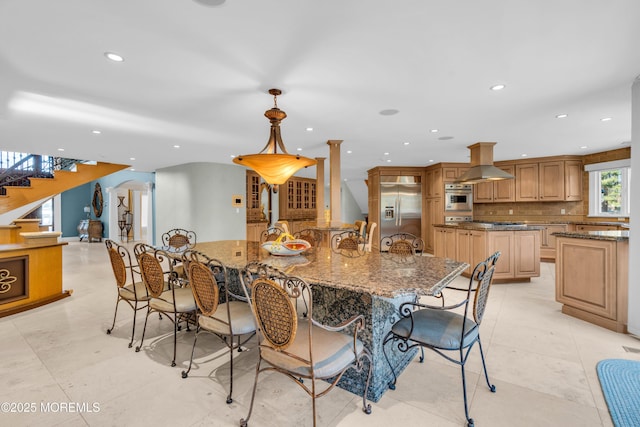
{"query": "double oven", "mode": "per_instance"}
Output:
(458, 203)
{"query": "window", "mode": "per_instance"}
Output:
(609, 188)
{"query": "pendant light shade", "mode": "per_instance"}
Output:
(273, 166)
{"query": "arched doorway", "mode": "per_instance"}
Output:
(131, 211)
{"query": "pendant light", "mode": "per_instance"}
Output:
(273, 166)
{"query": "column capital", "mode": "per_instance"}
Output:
(334, 141)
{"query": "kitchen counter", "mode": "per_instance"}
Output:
(473, 242)
(596, 235)
(494, 226)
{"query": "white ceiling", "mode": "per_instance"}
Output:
(197, 76)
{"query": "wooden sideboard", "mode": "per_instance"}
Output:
(90, 229)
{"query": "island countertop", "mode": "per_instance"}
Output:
(375, 273)
(617, 235)
(492, 226)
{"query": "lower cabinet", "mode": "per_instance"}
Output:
(471, 248)
(548, 240)
(445, 242)
(592, 280)
(255, 229)
(520, 250)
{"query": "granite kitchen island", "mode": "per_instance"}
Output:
(373, 285)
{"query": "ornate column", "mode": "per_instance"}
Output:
(334, 181)
(320, 189)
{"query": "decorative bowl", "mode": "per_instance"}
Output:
(287, 248)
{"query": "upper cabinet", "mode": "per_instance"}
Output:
(551, 181)
(254, 212)
(573, 171)
(496, 191)
(535, 181)
(452, 173)
(298, 199)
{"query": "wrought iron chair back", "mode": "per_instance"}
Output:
(402, 243)
(314, 237)
(129, 284)
(348, 243)
(271, 234)
(287, 338)
(179, 238)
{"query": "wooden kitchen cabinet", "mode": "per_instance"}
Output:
(520, 250)
(445, 242)
(527, 182)
(592, 280)
(496, 191)
(434, 184)
(253, 196)
(548, 181)
(520, 254)
(548, 240)
(435, 215)
(255, 229)
(551, 181)
(573, 172)
(298, 199)
(452, 173)
(471, 248)
(527, 253)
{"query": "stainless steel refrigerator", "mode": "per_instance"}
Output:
(401, 205)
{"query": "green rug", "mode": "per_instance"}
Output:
(620, 382)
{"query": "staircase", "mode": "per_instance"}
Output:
(61, 180)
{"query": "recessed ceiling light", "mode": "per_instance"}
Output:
(176, 146)
(430, 160)
(406, 143)
(132, 169)
(299, 149)
(445, 138)
(497, 87)
(233, 156)
(605, 119)
(389, 112)
(132, 158)
(583, 147)
(60, 149)
(388, 160)
(349, 151)
(562, 116)
(386, 154)
(97, 132)
(114, 57)
(309, 129)
(211, 3)
(524, 155)
(434, 130)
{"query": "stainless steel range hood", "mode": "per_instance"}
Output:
(482, 168)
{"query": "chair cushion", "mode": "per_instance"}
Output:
(437, 328)
(127, 292)
(332, 352)
(184, 301)
(242, 320)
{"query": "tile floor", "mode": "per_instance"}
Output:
(541, 361)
